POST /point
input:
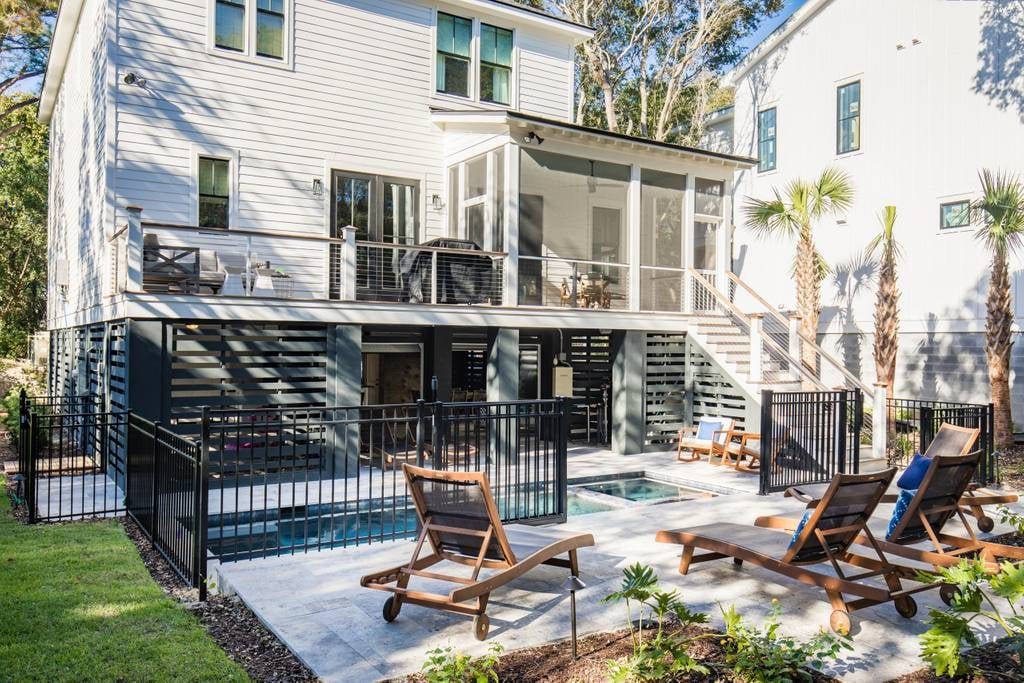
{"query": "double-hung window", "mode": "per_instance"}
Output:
(495, 64)
(454, 54)
(263, 36)
(766, 140)
(848, 123)
(954, 214)
(214, 192)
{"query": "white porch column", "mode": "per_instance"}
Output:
(794, 337)
(879, 426)
(133, 250)
(688, 227)
(723, 246)
(633, 236)
(510, 295)
(756, 369)
(348, 264)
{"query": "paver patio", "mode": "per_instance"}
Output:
(315, 604)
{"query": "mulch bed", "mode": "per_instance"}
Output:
(553, 662)
(1011, 468)
(992, 663)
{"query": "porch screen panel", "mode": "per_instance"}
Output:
(662, 200)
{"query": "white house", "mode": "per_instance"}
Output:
(304, 202)
(911, 99)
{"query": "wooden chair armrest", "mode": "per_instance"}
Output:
(749, 436)
(774, 522)
(684, 431)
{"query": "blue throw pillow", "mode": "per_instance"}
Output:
(706, 428)
(902, 503)
(800, 527)
(914, 474)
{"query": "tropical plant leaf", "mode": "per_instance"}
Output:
(1009, 582)
(941, 644)
(638, 583)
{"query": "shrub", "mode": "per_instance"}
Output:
(977, 599)
(764, 654)
(445, 665)
(663, 655)
(1011, 517)
(11, 405)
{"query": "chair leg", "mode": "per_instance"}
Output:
(685, 559)
(574, 563)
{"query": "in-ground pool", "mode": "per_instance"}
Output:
(578, 505)
(644, 490)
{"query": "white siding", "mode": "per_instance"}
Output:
(78, 182)
(357, 99)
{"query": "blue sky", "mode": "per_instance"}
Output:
(771, 24)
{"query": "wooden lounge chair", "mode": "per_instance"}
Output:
(460, 523)
(703, 439)
(825, 536)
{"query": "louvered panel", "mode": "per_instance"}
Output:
(665, 387)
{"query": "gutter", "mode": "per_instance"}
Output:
(60, 48)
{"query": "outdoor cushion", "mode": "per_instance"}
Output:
(800, 527)
(914, 474)
(706, 428)
(902, 503)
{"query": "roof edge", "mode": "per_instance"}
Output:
(64, 31)
(801, 16)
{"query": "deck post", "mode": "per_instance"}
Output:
(756, 369)
(133, 250)
(348, 264)
(633, 237)
(794, 339)
(628, 419)
(502, 383)
(344, 379)
(879, 418)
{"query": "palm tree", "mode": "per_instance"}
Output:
(1000, 216)
(887, 300)
(793, 214)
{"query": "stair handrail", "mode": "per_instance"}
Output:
(825, 355)
(765, 339)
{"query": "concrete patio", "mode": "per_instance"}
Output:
(314, 603)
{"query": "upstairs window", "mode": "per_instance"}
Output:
(848, 125)
(454, 55)
(954, 215)
(766, 140)
(214, 192)
(230, 25)
(262, 36)
(495, 64)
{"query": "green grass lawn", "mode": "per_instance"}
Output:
(77, 604)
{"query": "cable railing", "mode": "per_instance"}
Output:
(785, 333)
(567, 283)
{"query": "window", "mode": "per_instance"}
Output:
(495, 64)
(214, 192)
(230, 25)
(848, 126)
(708, 195)
(476, 197)
(454, 39)
(263, 36)
(270, 28)
(954, 214)
(662, 200)
(381, 209)
(766, 140)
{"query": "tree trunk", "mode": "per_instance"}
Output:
(998, 344)
(887, 322)
(598, 72)
(808, 296)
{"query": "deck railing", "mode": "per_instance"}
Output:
(567, 283)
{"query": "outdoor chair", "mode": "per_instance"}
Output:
(236, 275)
(460, 523)
(392, 446)
(211, 276)
(823, 536)
(710, 434)
(742, 446)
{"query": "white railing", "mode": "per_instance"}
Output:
(565, 283)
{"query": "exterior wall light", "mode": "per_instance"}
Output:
(132, 78)
(318, 187)
(533, 139)
(437, 202)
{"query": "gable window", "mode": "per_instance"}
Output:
(954, 214)
(229, 19)
(848, 124)
(766, 140)
(252, 28)
(495, 64)
(454, 42)
(214, 192)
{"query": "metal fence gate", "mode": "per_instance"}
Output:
(912, 424)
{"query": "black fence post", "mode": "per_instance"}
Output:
(925, 427)
(844, 432)
(23, 432)
(767, 446)
(437, 454)
(420, 432)
(563, 457)
(858, 426)
(154, 491)
(30, 474)
(991, 473)
(200, 500)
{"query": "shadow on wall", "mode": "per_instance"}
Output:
(850, 279)
(1000, 75)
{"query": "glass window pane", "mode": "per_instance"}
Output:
(494, 84)
(270, 35)
(229, 23)
(475, 224)
(955, 215)
(400, 206)
(662, 197)
(705, 240)
(476, 177)
(498, 242)
(709, 197)
(213, 212)
(495, 45)
(453, 75)
(453, 201)
(848, 128)
(352, 204)
(454, 34)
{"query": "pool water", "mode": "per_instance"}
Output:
(644, 490)
(578, 505)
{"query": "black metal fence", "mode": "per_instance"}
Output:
(808, 436)
(912, 424)
(166, 493)
(287, 480)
